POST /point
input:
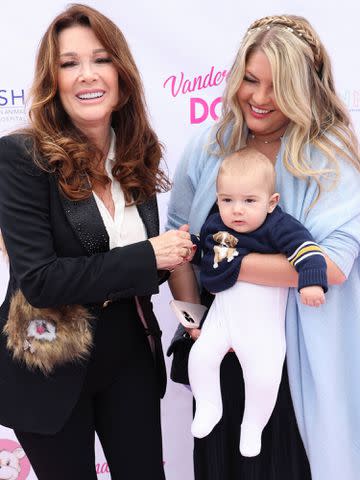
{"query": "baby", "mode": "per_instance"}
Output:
(246, 317)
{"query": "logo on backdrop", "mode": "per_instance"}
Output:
(199, 108)
(14, 465)
(12, 108)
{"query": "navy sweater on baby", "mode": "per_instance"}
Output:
(280, 233)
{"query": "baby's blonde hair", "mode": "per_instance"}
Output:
(249, 161)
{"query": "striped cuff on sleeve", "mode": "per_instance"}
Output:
(306, 250)
(313, 276)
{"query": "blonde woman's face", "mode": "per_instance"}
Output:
(257, 100)
(87, 79)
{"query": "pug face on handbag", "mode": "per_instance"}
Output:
(44, 338)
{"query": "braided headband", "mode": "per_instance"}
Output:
(293, 30)
(275, 24)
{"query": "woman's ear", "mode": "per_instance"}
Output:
(273, 201)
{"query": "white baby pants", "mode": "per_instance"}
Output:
(250, 319)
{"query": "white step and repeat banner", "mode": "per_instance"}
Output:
(183, 50)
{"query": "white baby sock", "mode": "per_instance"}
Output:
(207, 415)
(250, 440)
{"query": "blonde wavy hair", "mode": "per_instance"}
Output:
(63, 149)
(304, 91)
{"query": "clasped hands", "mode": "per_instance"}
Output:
(173, 248)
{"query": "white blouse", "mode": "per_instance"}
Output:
(126, 227)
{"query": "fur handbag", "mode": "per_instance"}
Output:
(45, 338)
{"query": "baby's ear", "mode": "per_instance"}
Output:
(273, 201)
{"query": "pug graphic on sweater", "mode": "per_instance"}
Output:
(225, 248)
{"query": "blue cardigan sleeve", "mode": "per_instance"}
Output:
(334, 220)
(185, 181)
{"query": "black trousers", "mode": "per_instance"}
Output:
(119, 400)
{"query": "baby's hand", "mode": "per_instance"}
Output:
(312, 296)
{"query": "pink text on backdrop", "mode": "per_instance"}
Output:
(181, 85)
(200, 109)
(102, 468)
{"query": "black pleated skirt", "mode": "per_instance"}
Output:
(217, 456)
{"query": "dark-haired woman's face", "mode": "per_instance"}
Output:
(87, 78)
(257, 100)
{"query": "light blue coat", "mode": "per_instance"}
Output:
(323, 345)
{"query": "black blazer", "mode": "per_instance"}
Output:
(59, 255)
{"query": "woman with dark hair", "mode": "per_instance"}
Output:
(80, 348)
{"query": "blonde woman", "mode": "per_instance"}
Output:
(280, 99)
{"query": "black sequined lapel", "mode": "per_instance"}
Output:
(149, 214)
(86, 221)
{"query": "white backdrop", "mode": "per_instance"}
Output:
(174, 44)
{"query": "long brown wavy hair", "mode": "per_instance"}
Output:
(63, 149)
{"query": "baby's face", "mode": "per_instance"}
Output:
(244, 202)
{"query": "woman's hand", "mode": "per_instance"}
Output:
(172, 248)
